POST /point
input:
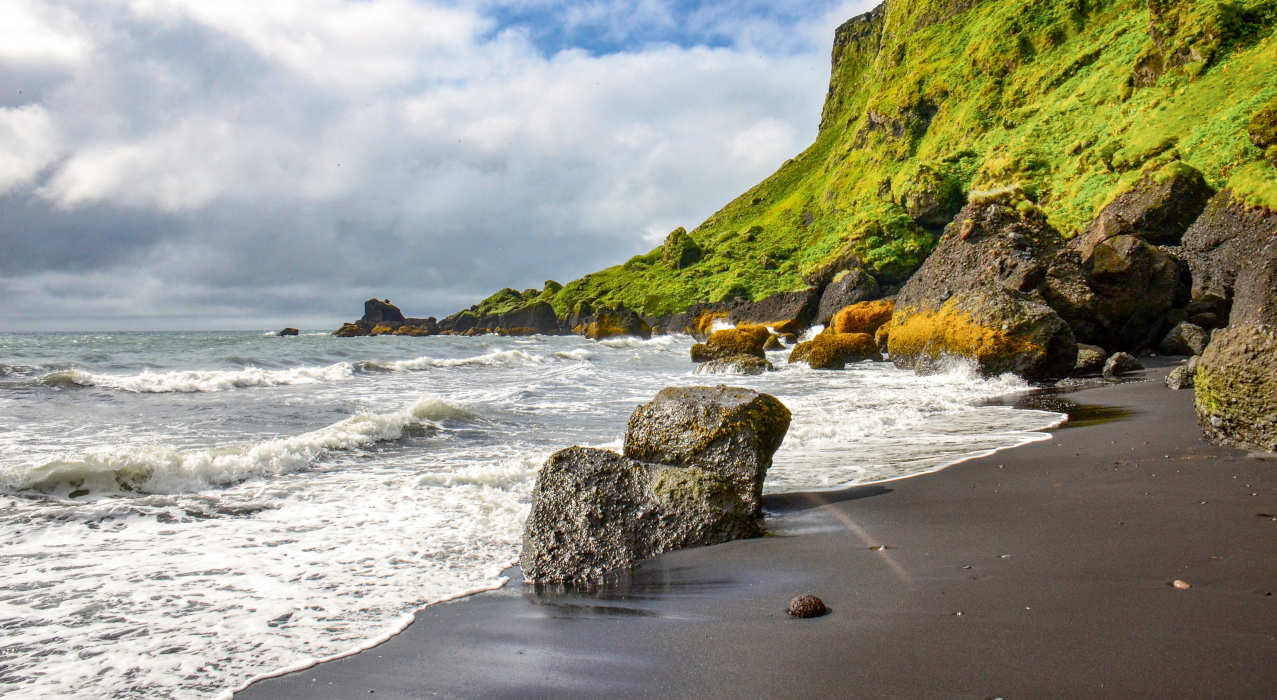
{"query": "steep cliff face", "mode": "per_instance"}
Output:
(1070, 102)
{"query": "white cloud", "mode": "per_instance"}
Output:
(34, 32)
(28, 143)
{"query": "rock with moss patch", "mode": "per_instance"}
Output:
(865, 317)
(736, 364)
(680, 250)
(730, 342)
(999, 330)
(727, 431)
(595, 512)
(931, 197)
(610, 323)
(835, 350)
(1262, 128)
(1157, 209)
(351, 330)
(1182, 376)
(1236, 383)
(850, 286)
(1184, 339)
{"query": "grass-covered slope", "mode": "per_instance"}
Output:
(1071, 101)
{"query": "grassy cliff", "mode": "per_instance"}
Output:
(930, 101)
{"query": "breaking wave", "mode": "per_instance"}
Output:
(192, 381)
(157, 469)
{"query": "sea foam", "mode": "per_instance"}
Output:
(193, 381)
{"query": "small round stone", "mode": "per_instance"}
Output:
(807, 605)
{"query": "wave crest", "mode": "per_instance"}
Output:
(193, 381)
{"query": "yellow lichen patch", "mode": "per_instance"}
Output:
(411, 330)
(382, 329)
(704, 322)
(882, 336)
(835, 350)
(865, 317)
(949, 331)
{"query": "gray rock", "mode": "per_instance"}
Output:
(736, 364)
(1158, 209)
(381, 311)
(727, 431)
(1236, 383)
(288, 331)
(1182, 377)
(595, 512)
(1090, 359)
(1224, 239)
(850, 286)
(1184, 339)
(1120, 363)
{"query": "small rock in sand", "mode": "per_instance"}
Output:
(807, 605)
(1181, 585)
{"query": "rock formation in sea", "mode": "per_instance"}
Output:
(692, 474)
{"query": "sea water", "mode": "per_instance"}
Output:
(182, 512)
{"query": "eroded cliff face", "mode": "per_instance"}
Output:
(1071, 103)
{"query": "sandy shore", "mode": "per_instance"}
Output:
(1040, 571)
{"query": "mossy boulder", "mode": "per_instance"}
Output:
(414, 330)
(1236, 383)
(680, 250)
(736, 364)
(727, 431)
(595, 512)
(931, 196)
(865, 317)
(1158, 209)
(835, 350)
(1262, 128)
(610, 323)
(730, 342)
(999, 330)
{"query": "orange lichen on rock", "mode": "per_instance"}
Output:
(701, 326)
(732, 341)
(382, 329)
(928, 336)
(411, 330)
(882, 336)
(835, 350)
(865, 317)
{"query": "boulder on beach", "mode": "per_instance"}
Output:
(611, 323)
(729, 342)
(864, 317)
(288, 332)
(1120, 363)
(835, 350)
(1090, 360)
(1184, 339)
(595, 512)
(1136, 284)
(1182, 376)
(728, 431)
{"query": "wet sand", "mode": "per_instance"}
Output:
(1042, 571)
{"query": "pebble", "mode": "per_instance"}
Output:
(807, 605)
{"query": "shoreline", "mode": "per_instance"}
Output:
(520, 640)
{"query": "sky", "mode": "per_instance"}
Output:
(239, 164)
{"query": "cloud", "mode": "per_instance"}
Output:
(242, 159)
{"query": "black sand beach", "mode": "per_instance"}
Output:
(1043, 571)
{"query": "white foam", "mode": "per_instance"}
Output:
(495, 358)
(158, 469)
(577, 354)
(192, 381)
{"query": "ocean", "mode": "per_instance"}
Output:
(183, 512)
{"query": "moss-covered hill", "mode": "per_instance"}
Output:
(1071, 101)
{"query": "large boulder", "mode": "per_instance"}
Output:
(999, 330)
(865, 317)
(727, 431)
(1158, 209)
(536, 317)
(1136, 284)
(730, 342)
(1219, 244)
(680, 250)
(850, 286)
(609, 323)
(835, 350)
(595, 512)
(381, 311)
(1184, 339)
(1236, 383)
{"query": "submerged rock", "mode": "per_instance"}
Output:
(835, 350)
(595, 512)
(736, 364)
(728, 431)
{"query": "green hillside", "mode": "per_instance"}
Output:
(1068, 101)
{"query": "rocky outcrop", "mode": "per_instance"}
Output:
(786, 311)
(1158, 210)
(351, 330)
(728, 431)
(595, 512)
(835, 350)
(288, 332)
(865, 317)
(692, 474)
(610, 323)
(1217, 246)
(999, 330)
(381, 311)
(731, 342)
(679, 250)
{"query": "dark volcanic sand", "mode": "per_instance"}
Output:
(1040, 571)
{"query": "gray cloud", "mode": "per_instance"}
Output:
(244, 164)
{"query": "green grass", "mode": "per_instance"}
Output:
(1037, 94)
